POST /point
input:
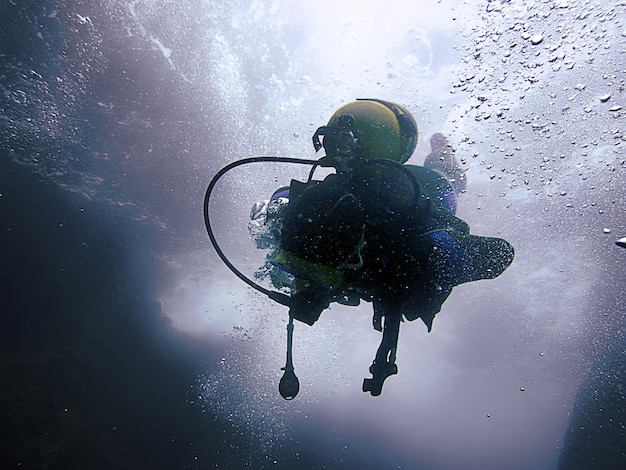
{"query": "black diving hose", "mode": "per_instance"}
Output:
(279, 297)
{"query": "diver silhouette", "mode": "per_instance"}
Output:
(376, 230)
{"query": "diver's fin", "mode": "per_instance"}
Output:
(428, 321)
(379, 374)
(487, 258)
(384, 364)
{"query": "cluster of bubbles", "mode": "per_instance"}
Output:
(265, 227)
(239, 392)
(42, 97)
(519, 60)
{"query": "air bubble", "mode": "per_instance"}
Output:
(536, 39)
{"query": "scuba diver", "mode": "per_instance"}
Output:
(376, 230)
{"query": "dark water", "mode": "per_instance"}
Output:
(86, 381)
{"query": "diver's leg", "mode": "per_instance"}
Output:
(460, 257)
(484, 258)
(384, 364)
